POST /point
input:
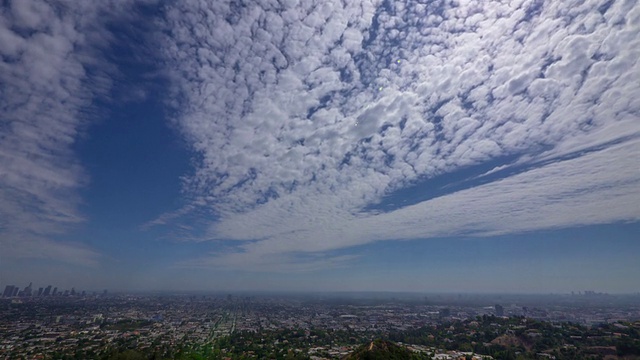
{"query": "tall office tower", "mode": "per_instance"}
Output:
(15, 291)
(73, 291)
(55, 291)
(40, 290)
(8, 291)
(499, 310)
(47, 291)
(27, 291)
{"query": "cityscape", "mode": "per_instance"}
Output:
(12, 291)
(72, 324)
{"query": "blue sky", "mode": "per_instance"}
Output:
(448, 146)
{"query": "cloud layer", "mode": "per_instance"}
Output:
(305, 113)
(50, 72)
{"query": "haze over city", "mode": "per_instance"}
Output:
(446, 146)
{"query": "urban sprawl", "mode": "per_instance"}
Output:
(51, 324)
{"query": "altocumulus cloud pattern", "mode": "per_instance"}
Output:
(307, 115)
(273, 92)
(45, 92)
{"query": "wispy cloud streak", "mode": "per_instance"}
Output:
(50, 72)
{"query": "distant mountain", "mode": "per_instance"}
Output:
(382, 350)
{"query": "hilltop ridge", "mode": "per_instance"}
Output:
(382, 349)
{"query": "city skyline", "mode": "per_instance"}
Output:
(13, 291)
(451, 146)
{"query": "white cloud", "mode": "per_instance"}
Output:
(49, 75)
(304, 116)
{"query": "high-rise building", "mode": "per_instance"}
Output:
(15, 291)
(55, 291)
(27, 290)
(8, 291)
(47, 291)
(40, 290)
(499, 310)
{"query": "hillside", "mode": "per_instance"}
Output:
(382, 350)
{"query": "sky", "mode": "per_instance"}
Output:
(438, 146)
